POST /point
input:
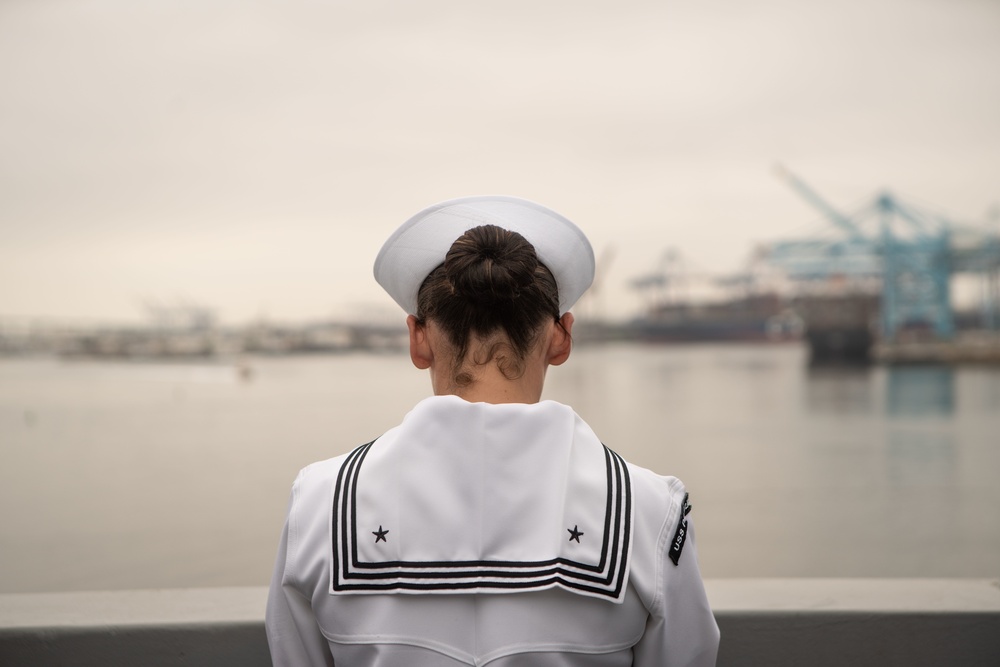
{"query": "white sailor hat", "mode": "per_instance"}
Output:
(421, 243)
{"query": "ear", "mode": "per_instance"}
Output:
(420, 350)
(561, 343)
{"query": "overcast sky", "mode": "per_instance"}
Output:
(252, 156)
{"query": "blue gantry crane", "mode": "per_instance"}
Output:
(901, 251)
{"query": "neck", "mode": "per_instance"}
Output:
(490, 386)
(430, 350)
(488, 383)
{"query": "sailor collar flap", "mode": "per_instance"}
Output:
(478, 498)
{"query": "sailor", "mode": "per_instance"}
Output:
(489, 527)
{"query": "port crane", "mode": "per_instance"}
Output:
(904, 252)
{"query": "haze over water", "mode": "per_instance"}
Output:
(144, 475)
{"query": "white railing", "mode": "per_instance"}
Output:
(772, 622)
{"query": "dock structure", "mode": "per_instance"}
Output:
(979, 348)
(143, 342)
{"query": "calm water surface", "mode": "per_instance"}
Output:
(144, 475)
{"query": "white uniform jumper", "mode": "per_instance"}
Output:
(480, 534)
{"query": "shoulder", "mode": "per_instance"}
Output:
(308, 520)
(658, 496)
(661, 504)
(320, 477)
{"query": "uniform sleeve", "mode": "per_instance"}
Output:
(293, 634)
(681, 630)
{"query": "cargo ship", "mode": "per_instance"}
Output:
(753, 318)
(839, 328)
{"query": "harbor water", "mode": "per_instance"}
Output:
(145, 475)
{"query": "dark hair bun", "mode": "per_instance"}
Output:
(489, 264)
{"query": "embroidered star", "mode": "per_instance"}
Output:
(574, 534)
(380, 534)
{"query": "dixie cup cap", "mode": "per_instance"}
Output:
(419, 246)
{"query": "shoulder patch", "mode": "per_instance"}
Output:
(677, 544)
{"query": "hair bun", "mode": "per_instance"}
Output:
(489, 264)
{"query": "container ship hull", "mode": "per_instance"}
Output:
(759, 318)
(839, 328)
